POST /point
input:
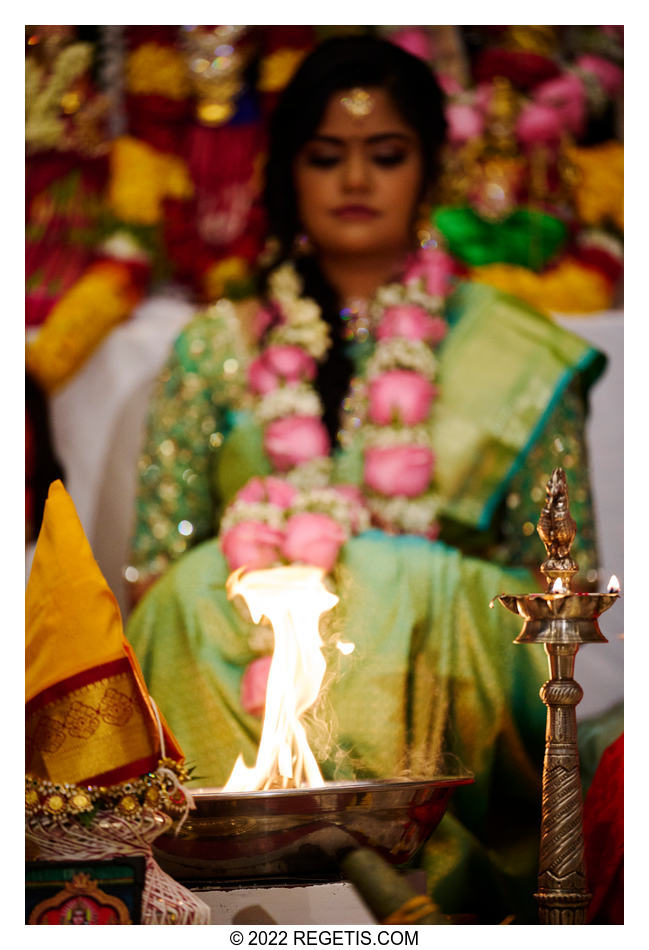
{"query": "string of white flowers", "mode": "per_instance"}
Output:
(292, 399)
(412, 515)
(401, 353)
(316, 473)
(326, 501)
(393, 295)
(392, 435)
(263, 511)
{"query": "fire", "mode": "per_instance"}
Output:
(557, 587)
(613, 585)
(293, 599)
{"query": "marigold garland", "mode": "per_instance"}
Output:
(276, 69)
(220, 274)
(567, 288)
(157, 70)
(599, 191)
(141, 178)
(102, 297)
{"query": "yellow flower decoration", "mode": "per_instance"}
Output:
(102, 297)
(568, 288)
(276, 69)
(599, 190)
(154, 70)
(218, 275)
(141, 178)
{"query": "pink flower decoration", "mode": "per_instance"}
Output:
(482, 96)
(252, 544)
(411, 322)
(399, 470)
(262, 320)
(436, 267)
(538, 124)
(313, 538)
(295, 439)
(292, 363)
(274, 490)
(567, 96)
(400, 395)
(260, 378)
(608, 74)
(464, 122)
(448, 84)
(280, 363)
(254, 683)
(415, 41)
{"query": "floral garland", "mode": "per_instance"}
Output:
(297, 514)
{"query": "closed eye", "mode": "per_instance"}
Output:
(389, 160)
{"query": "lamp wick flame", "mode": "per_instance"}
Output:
(613, 585)
(557, 587)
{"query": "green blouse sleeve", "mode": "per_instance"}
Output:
(561, 443)
(175, 508)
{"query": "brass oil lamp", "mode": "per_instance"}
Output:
(562, 620)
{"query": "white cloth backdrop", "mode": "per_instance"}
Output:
(98, 418)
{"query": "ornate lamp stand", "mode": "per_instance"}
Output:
(561, 620)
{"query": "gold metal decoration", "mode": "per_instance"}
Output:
(561, 620)
(358, 103)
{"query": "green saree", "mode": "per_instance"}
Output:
(434, 669)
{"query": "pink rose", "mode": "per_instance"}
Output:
(274, 490)
(292, 363)
(254, 683)
(566, 94)
(607, 73)
(538, 124)
(314, 538)
(400, 395)
(252, 544)
(464, 122)
(260, 378)
(399, 470)
(294, 439)
(436, 267)
(280, 363)
(411, 322)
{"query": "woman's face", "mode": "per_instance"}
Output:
(358, 180)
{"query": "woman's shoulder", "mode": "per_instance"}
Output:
(217, 331)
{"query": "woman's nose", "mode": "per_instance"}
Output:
(356, 172)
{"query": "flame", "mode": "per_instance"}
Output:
(293, 598)
(345, 647)
(613, 585)
(557, 587)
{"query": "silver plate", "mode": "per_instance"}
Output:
(301, 833)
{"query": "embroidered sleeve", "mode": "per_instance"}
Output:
(175, 508)
(562, 443)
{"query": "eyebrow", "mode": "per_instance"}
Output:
(370, 140)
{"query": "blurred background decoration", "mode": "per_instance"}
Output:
(145, 150)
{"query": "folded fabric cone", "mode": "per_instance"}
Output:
(89, 717)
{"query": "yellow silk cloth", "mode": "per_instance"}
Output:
(89, 714)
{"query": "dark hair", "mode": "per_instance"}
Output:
(342, 63)
(336, 64)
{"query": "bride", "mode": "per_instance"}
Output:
(369, 413)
